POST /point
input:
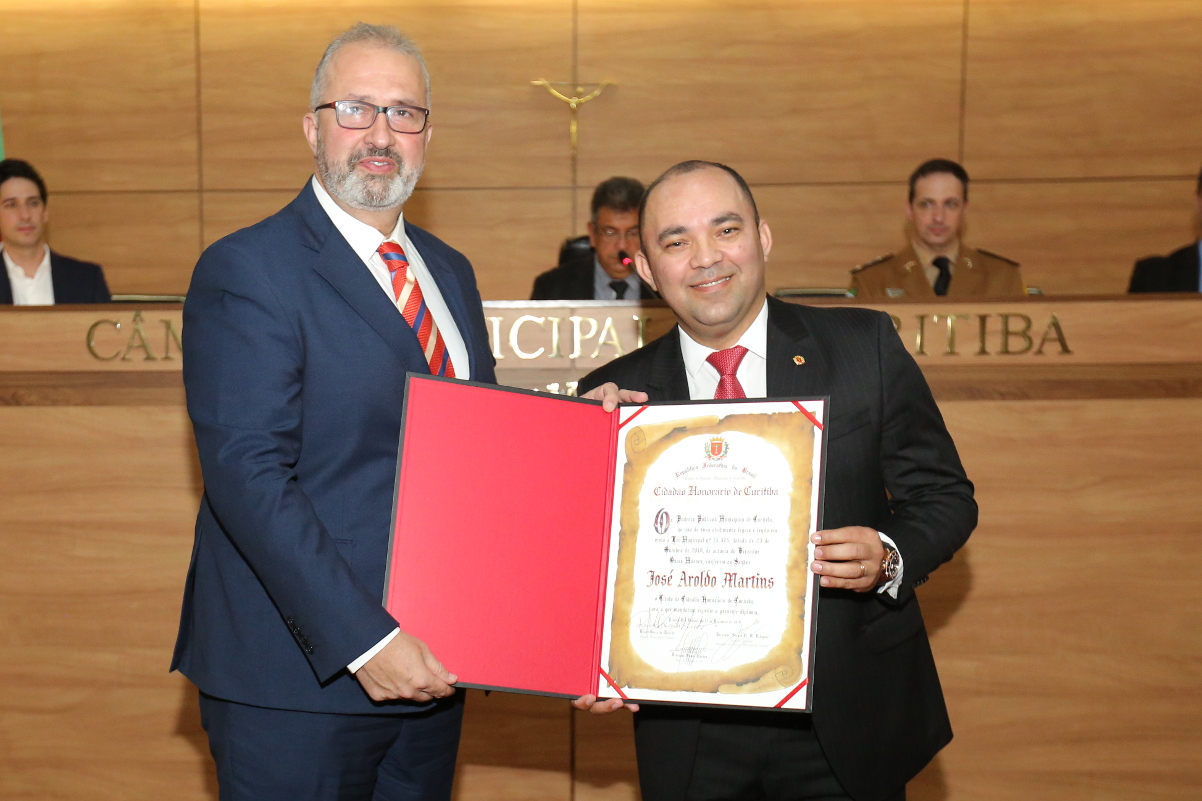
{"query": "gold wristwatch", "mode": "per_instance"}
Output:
(890, 564)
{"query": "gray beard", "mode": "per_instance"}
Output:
(363, 191)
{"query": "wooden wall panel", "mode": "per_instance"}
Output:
(1062, 629)
(1084, 88)
(492, 128)
(89, 603)
(605, 761)
(827, 90)
(147, 242)
(514, 748)
(510, 235)
(1082, 237)
(226, 212)
(101, 95)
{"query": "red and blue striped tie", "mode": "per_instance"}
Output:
(409, 300)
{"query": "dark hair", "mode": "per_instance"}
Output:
(617, 193)
(693, 165)
(15, 168)
(939, 165)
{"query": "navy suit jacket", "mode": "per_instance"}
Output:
(294, 367)
(74, 281)
(878, 709)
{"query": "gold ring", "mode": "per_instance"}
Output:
(863, 570)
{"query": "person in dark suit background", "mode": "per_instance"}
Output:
(897, 505)
(298, 334)
(34, 274)
(1180, 271)
(598, 272)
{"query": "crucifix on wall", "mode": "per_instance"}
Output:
(574, 101)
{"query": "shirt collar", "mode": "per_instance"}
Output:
(17, 270)
(755, 339)
(926, 256)
(363, 238)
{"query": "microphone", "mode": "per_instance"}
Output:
(627, 262)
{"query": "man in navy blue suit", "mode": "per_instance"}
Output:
(34, 274)
(298, 333)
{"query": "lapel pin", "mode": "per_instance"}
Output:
(799, 360)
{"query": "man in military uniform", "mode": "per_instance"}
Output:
(936, 262)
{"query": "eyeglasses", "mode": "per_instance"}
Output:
(358, 115)
(613, 234)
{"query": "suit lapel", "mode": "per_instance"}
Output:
(6, 290)
(59, 280)
(667, 378)
(788, 338)
(350, 278)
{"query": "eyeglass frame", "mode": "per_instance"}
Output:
(333, 105)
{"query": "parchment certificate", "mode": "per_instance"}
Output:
(710, 586)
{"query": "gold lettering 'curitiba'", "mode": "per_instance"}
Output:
(1004, 334)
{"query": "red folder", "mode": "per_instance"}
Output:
(479, 566)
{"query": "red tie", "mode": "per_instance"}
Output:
(413, 308)
(726, 362)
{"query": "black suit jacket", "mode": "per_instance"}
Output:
(573, 280)
(1176, 272)
(878, 708)
(74, 282)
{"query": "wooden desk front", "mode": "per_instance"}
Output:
(1064, 631)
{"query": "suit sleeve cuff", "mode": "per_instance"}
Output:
(353, 667)
(891, 587)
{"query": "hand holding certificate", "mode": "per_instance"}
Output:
(666, 558)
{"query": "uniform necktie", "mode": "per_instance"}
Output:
(408, 296)
(944, 265)
(726, 362)
(619, 288)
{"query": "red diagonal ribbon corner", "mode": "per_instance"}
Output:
(636, 414)
(792, 693)
(613, 684)
(808, 414)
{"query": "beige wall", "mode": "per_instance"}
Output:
(164, 124)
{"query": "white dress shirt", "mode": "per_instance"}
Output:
(36, 291)
(364, 240)
(753, 376)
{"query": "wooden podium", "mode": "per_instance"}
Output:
(1064, 631)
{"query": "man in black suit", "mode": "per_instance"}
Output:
(897, 506)
(599, 272)
(34, 274)
(1180, 271)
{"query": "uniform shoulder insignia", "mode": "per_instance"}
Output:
(984, 252)
(867, 264)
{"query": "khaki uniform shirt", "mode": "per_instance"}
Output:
(975, 274)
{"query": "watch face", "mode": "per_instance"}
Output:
(892, 563)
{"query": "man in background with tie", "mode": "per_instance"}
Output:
(298, 333)
(936, 262)
(598, 271)
(897, 505)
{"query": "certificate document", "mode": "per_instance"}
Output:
(661, 552)
(709, 583)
